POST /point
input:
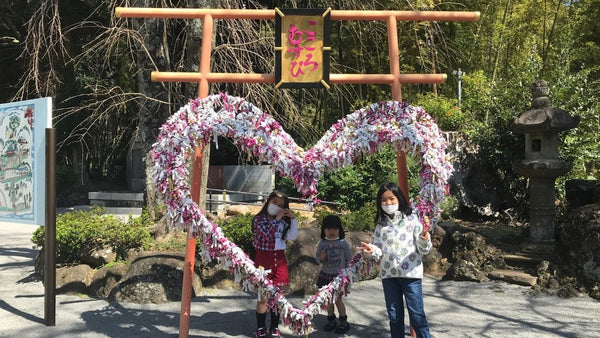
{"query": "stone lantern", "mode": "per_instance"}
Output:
(541, 125)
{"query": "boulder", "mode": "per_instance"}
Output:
(105, 279)
(99, 255)
(472, 257)
(233, 210)
(155, 278)
(463, 270)
(303, 265)
(474, 183)
(73, 279)
(578, 243)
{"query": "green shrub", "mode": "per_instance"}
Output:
(239, 230)
(360, 220)
(320, 212)
(445, 111)
(175, 241)
(80, 231)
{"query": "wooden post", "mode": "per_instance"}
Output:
(190, 250)
(196, 188)
(394, 55)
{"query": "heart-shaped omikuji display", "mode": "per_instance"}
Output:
(363, 132)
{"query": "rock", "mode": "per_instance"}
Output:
(39, 263)
(543, 267)
(473, 183)
(214, 276)
(160, 228)
(233, 210)
(595, 292)
(463, 270)
(73, 279)
(105, 279)
(434, 264)
(513, 277)
(303, 266)
(473, 258)
(155, 278)
(578, 243)
(437, 236)
(553, 283)
(98, 256)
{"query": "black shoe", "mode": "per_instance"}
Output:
(343, 327)
(330, 325)
(274, 333)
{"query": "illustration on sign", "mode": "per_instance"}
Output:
(16, 161)
(22, 157)
(302, 48)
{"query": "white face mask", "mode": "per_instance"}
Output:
(273, 209)
(390, 208)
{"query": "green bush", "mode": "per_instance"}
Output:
(239, 230)
(360, 220)
(319, 213)
(447, 114)
(80, 231)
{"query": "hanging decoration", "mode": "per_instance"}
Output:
(364, 131)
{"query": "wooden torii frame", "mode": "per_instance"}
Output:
(205, 76)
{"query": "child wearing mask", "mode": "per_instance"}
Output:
(334, 253)
(399, 241)
(272, 226)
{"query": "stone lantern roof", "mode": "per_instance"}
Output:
(541, 117)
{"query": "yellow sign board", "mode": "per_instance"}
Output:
(302, 47)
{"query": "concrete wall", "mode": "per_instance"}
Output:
(247, 178)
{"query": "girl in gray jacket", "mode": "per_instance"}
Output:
(334, 253)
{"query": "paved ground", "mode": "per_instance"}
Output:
(454, 309)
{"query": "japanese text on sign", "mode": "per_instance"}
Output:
(302, 57)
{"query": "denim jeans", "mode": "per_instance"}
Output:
(412, 290)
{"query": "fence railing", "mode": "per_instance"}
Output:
(261, 197)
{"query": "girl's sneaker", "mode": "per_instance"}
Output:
(274, 333)
(261, 333)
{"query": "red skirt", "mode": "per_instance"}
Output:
(276, 262)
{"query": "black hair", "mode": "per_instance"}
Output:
(403, 205)
(275, 193)
(286, 205)
(332, 222)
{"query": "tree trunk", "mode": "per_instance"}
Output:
(155, 55)
(78, 165)
(152, 55)
(193, 48)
